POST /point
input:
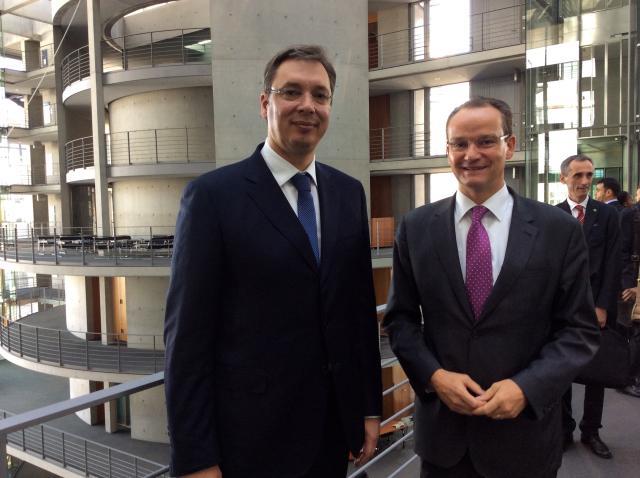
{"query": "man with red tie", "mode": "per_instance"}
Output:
(489, 312)
(600, 224)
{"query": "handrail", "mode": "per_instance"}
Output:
(134, 246)
(410, 45)
(88, 351)
(21, 423)
(141, 50)
(150, 146)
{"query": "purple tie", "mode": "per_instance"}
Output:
(479, 273)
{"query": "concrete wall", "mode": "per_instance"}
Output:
(401, 120)
(239, 59)
(145, 311)
(149, 416)
(401, 195)
(141, 203)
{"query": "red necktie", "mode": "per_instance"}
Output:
(580, 209)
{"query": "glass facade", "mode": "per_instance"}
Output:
(580, 56)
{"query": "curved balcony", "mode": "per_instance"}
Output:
(142, 50)
(145, 147)
(87, 351)
(138, 246)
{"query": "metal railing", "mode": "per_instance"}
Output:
(159, 146)
(24, 175)
(89, 351)
(142, 50)
(489, 30)
(27, 432)
(413, 141)
(131, 246)
(151, 146)
(79, 153)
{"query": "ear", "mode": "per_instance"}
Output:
(511, 146)
(563, 180)
(264, 102)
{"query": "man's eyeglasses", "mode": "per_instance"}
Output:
(291, 93)
(484, 142)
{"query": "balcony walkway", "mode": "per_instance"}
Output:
(43, 338)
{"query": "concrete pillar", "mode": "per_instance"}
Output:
(40, 212)
(149, 416)
(238, 62)
(62, 217)
(78, 387)
(34, 110)
(106, 310)
(38, 163)
(110, 413)
(31, 54)
(94, 34)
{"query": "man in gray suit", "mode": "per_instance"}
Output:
(490, 312)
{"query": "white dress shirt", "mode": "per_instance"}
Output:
(497, 222)
(283, 171)
(573, 204)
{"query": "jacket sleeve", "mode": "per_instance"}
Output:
(403, 319)
(369, 324)
(574, 333)
(611, 264)
(629, 268)
(189, 333)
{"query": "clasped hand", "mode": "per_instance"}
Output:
(502, 400)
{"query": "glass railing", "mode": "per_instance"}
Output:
(142, 50)
(489, 30)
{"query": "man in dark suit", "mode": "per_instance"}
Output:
(272, 359)
(489, 313)
(600, 224)
(607, 191)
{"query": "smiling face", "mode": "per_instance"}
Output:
(295, 127)
(578, 180)
(479, 170)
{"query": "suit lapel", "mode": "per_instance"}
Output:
(444, 241)
(268, 197)
(522, 236)
(329, 198)
(590, 217)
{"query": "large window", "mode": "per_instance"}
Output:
(449, 27)
(442, 100)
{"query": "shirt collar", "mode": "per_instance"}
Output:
(610, 201)
(498, 204)
(282, 169)
(573, 204)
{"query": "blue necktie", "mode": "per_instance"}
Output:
(306, 210)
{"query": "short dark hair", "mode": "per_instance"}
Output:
(612, 184)
(481, 102)
(299, 52)
(566, 164)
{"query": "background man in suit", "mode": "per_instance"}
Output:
(489, 312)
(607, 191)
(273, 366)
(600, 224)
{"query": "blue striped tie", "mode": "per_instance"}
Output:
(306, 210)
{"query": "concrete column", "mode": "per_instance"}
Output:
(94, 34)
(62, 217)
(34, 110)
(31, 55)
(40, 211)
(106, 310)
(110, 413)
(38, 163)
(238, 62)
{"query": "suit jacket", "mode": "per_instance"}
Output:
(602, 233)
(629, 274)
(538, 327)
(257, 334)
